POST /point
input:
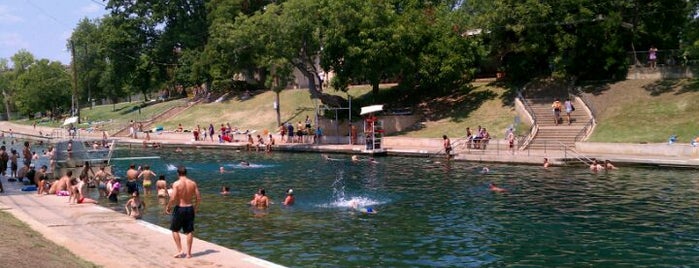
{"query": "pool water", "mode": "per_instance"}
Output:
(435, 214)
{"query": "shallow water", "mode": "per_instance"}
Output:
(432, 214)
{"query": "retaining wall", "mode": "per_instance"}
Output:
(653, 149)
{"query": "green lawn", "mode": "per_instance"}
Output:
(258, 113)
(638, 111)
(482, 107)
(633, 111)
(114, 117)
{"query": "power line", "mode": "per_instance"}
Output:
(99, 3)
(46, 13)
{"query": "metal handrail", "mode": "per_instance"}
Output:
(580, 157)
(534, 128)
(453, 144)
(585, 130)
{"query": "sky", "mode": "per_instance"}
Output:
(43, 27)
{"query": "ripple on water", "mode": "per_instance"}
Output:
(441, 215)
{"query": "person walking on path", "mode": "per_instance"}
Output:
(556, 107)
(511, 140)
(447, 146)
(652, 56)
(184, 190)
(569, 109)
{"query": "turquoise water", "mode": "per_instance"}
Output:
(432, 214)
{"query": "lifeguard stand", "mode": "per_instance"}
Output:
(373, 130)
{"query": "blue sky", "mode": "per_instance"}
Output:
(42, 26)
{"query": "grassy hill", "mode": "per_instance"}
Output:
(445, 115)
(645, 110)
(632, 111)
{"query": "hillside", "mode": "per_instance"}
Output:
(444, 115)
(639, 111)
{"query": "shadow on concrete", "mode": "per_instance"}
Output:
(205, 252)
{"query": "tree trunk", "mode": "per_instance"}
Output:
(375, 88)
(277, 107)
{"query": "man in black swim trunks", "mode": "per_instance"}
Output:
(184, 191)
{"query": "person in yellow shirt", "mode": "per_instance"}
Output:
(556, 106)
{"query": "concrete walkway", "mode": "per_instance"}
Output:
(111, 239)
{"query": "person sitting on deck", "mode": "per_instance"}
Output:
(672, 139)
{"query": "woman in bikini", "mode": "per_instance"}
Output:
(146, 175)
(161, 187)
(135, 206)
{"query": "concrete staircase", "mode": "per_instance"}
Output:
(549, 135)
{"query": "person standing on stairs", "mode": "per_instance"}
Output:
(556, 106)
(569, 109)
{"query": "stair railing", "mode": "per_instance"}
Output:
(578, 156)
(535, 126)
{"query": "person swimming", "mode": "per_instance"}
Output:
(225, 190)
(366, 210)
(245, 163)
(496, 189)
(290, 199)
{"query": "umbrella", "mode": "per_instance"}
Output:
(70, 120)
(371, 109)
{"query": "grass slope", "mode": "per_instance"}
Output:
(23, 247)
(113, 117)
(482, 106)
(456, 112)
(637, 111)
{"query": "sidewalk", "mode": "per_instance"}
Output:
(428, 148)
(111, 239)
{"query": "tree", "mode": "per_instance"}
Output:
(360, 42)
(575, 38)
(5, 83)
(163, 29)
(89, 59)
(43, 85)
(286, 32)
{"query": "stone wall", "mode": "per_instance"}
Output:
(652, 149)
(391, 124)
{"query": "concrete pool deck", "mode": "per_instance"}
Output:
(111, 239)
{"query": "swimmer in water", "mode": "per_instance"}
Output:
(290, 199)
(365, 210)
(225, 190)
(221, 170)
(355, 158)
(178, 150)
(496, 189)
(245, 163)
(485, 170)
(546, 163)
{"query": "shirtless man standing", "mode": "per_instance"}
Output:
(184, 191)
(131, 176)
(101, 177)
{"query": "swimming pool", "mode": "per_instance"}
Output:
(433, 214)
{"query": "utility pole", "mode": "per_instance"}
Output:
(75, 99)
